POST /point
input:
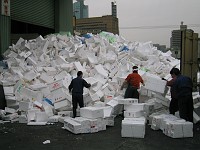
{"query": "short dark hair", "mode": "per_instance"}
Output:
(79, 73)
(175, 71)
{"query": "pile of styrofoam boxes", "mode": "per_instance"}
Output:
(172, 126)
(43, 68)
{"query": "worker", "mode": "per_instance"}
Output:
(173, 106)
(183, 90)
(133, 81)
(76, 87)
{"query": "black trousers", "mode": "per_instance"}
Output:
(173, 106)
(131, 92)
(186, 107)
(77, 99)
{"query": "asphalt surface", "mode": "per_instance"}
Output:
(18, 136)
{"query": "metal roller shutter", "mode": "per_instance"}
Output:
(37, 12)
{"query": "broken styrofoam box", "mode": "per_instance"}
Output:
(10, 110)
(53, 119)
(92, 112)
(65, 113)
(41, 117)
(131, 128)
(133, 114)
(58, 95)
(72, 126)
(55, 85)
(23, 119)
(134, 107)
(128, 101)
(155, 84)
(62, 105)
(25, 106)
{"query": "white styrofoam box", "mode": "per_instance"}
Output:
(61, 119)
(155, 84)
(38, 86)
(107, 111)
(133, 114)
(30, 94)
(156, 122)
(137, 119)
(8, 90)
(55, 85)
(29, 76)
(102, 79)
(79, 67)
(91, 80)
(128, 101)
(48, 110)
(36, 123)
(10, 117)
(166, 118)
(97, 96)
(187, 129)
(58, 95)
(62, 105)
(117, 108)
(175, 130)
(110, 121)
(9, 110)
(23, 119)
(161, 99)
(31, 115)
(46, 91)
(72, 126)
(98, 104)
(148, 108)
(12, 102)
(46, 78)
(134, 107)
(31, 61)
(65, 113)
(41, 117)
(25, 106)
(91, 112)
(131, 128)
(85, 124)
(53, 119)
(94, 129)
(196, 118)
(95, 88)
(51, 71)
(101, 123)
(61, 75)
(38, 104)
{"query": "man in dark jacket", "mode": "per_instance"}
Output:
(183, 88)
(76, 87)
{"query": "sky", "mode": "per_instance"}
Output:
(139, 19)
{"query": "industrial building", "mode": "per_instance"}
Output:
(80, 10)
(97, 24)
(28, 19)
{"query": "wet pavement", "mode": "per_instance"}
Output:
(18, 136)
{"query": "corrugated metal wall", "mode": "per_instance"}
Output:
(4, 33)
(37, 12)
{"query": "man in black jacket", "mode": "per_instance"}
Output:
(76, 87)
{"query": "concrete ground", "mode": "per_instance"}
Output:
(22, 137)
